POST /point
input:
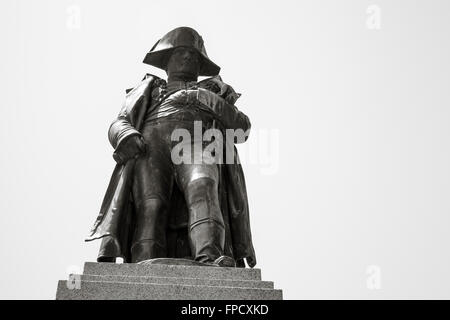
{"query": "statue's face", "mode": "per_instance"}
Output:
(184, 60)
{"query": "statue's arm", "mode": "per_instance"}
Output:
(222, 103)
(124, 126)
(123, 134)
(121, 128)
(231, 117)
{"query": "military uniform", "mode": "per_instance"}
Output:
(216, 220)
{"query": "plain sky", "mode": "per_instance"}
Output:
(350, 108)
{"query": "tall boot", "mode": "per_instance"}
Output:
(207, 240)
(149, 239)
(147, 249)
(206, 225)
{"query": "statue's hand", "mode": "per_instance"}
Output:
(226, 91)
(130, 148)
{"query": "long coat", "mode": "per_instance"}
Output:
(115, 222)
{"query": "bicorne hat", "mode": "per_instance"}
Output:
(180, 37)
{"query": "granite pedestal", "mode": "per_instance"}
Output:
(111, 281)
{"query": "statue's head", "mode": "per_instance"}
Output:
(182, 50)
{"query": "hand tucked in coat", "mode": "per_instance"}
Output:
(216, 85)
(133, 146)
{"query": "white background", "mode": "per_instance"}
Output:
(362, 117)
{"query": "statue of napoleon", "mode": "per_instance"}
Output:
(156, 206)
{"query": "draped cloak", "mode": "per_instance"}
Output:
(115, 222)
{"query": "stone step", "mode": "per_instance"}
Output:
(101, 290)
(181, 281)
(177, 271)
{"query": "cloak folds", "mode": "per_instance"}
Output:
(115, 223)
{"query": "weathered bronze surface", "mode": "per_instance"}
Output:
(156, 208)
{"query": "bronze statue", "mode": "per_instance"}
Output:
(155, 207)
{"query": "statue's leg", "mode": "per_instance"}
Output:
(199, 183)
(152, 186)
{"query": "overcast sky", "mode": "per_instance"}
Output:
(349, 177)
